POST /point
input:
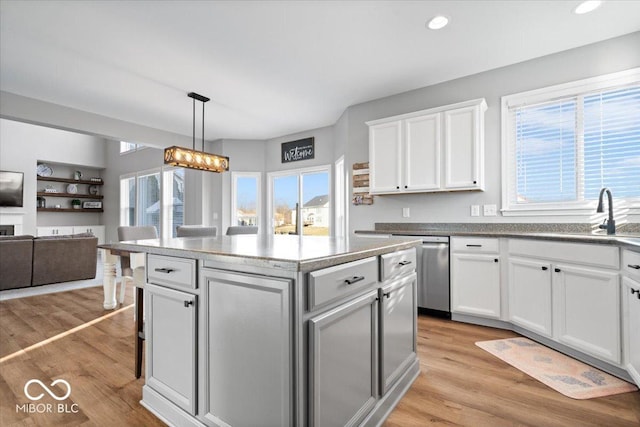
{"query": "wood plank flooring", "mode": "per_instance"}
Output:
(459, 384)
(462, 385)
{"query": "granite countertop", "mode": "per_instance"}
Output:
(557, 232)
(290, 252)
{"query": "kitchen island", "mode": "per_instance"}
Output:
(277, 330)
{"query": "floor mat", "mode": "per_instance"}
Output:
(562, 373)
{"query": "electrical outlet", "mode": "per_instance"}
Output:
(490, 210)
(475, 210)
(405, 212)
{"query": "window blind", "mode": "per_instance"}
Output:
(567, 149)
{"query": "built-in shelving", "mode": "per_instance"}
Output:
(59, 189)
(70, 180)
(72, 195)
(70, 210)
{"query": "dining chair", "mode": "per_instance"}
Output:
(196, 231)
(133, 269)
(242, 229)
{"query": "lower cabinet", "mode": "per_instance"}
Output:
(530, 295)
(475, 285)
(171, 339)
(247, 368)
(96, 230)
(343, 353)
(588, 310)
(397, 341)
(631, 301)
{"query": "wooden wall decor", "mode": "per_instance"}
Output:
(360, 176)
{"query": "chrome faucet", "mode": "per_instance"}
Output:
(609, 224)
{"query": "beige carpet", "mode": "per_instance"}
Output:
(562, 373)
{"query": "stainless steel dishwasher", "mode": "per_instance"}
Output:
(433, 276)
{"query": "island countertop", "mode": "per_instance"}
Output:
(289, 252)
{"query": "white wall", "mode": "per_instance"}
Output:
(23, 145)
(606, 57)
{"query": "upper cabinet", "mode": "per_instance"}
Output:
(440, 149)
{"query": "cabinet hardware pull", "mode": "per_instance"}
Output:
(406, 186)
(635, 291)
(545, 268)
(475, 182)
(557, 270)
(353, 280)
(165, 270)
(474, 246)
(495, 260)
(397, 187)
(404, 263)
(634, 266)
(188, 303)
(387, 294)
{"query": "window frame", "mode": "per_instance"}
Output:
(582, 208)
(234, 190)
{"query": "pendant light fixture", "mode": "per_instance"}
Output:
(191, 158)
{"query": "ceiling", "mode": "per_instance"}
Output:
(271, 68)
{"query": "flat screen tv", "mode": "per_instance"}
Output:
(11, 188)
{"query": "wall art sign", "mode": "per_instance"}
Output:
(294, 151)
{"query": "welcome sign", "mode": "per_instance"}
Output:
(302, 149)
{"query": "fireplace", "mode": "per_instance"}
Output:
(7, 230)
(11, 223)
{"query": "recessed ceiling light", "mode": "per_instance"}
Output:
(587, 6)
(438, 22)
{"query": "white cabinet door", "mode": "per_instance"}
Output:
(343, 356)
(631, 300)
(397, 329)
(463, 145)
(422, 153)
(587, 310)
(385, 157)
(248, 337)
(171, 344)
(56, 230)
(475, 285)
(530, 295)
(96, 230)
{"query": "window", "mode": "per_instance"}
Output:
(172, 200)
(128, 200)
(300, 201)
(127, 147)
(155, 198)
(562, 144)
(245, 198)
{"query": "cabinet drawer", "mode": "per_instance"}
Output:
(474, 244)
(171, 271)
(397, 264)
(333, 283)
(631, 263)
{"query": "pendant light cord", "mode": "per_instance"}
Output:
(194, 124)
(203, 126)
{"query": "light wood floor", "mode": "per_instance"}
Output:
(459, 383)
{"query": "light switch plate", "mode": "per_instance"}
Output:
(475, 210)
(490, 210)
(405, 212)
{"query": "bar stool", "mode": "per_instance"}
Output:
(133, 269)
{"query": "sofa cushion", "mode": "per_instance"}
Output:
(22, 237)
(61, 259)
(16, 256)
